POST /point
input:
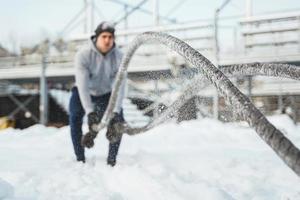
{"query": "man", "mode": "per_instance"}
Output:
(95, 69)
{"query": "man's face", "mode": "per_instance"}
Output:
(105, 42)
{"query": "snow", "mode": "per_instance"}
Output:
(200, 159)
(6, 190)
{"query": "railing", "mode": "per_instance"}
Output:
(281, 31)
(35, 59)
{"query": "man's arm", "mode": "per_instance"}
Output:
(82, 79)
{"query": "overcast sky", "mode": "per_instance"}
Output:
(29, 21)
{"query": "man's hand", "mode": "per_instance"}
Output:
(116, 128)
(114, 132)
(88, 139)
(93, 121)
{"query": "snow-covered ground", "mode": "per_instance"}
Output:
(201, 159)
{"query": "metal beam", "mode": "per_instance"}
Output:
(173, 9)
(22, 107)
(172, 20)
(138, 6)
(71, 22)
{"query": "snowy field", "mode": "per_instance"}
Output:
(201, 159)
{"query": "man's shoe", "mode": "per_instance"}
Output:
(112, 163)
(81, 160)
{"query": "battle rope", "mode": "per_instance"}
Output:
(241, 104)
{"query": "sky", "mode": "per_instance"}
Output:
(25, 22)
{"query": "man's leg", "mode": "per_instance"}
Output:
(113, 152)
(76, 119)
(101, 103)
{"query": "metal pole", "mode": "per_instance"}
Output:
(249, 8)
(216, 31)
(294, 110)
(298, 34)
(126, 17)
(280, 103)
(156, 12)
(248, 15)
(43, 93)
(249, 87)
(235, 39)
(216, 49)
(157, 92)
(92, 16)
(85, 23)
(217, 56)
(126, 22)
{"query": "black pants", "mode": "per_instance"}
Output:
(76, 120)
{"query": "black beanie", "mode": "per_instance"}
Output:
(104, 27)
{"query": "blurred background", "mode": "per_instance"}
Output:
(38, 41)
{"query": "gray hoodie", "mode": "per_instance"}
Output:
(95, 74)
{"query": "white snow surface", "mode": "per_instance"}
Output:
(6, 190)
(200, 159)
